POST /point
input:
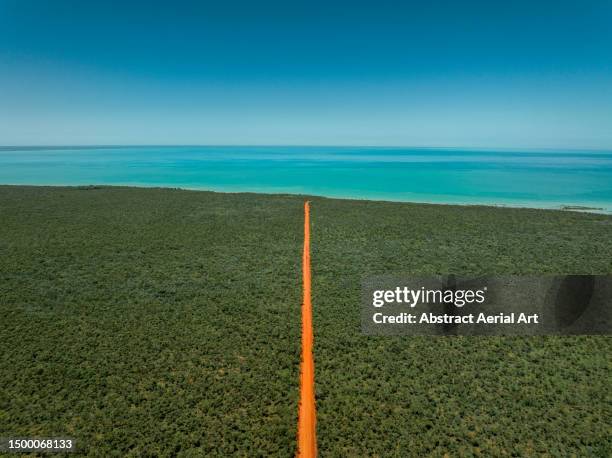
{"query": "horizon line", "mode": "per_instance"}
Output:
(296, 145)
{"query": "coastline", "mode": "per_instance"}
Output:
(557, 180)
(560, 207)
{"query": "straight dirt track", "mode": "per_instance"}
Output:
(307, 441)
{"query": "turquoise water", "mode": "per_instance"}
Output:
(541, 179)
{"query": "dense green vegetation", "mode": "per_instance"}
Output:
(489, 396)
(150, 321)
(159, 322)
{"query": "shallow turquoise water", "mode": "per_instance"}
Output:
(543, 179)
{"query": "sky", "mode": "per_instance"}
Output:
(512, 74)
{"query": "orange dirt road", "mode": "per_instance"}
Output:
(307, 418)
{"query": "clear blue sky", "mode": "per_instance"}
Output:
(532, 73)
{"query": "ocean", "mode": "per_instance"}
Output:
(537, 179)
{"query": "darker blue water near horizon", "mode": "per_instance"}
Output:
(539, 178)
